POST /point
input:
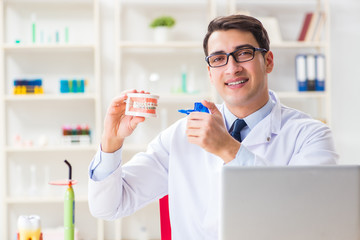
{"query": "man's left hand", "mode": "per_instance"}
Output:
(209, 132)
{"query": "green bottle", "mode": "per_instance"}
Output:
(33, 27)
(184, 79)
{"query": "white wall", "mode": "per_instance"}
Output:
(345, 68)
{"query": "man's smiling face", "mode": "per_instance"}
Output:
(243, 86)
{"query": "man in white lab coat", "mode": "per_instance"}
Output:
(185, 160)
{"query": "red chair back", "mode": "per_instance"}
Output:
(165, 218)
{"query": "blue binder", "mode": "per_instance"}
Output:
(320, 72)
(300, 68)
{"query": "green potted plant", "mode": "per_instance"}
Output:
(163, 21)
(161, 26)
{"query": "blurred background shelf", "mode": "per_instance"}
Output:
(135, 60)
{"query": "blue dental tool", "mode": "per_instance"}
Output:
(198, 107)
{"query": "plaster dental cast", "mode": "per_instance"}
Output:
(29, 227)
(185, 160)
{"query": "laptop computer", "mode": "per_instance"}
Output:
(290, 203)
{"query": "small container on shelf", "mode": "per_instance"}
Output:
(80, 134)
(28, 86)
(72, 86)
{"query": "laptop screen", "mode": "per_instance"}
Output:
(290, 203)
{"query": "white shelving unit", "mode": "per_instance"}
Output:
(140, 63)
(66, 47)
(290, 15)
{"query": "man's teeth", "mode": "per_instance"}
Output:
(235, 83)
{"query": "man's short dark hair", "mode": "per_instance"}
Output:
(242, 23)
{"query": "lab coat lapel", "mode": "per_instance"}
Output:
(267, 128)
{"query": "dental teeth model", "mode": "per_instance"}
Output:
(29, 228)
(141, 104)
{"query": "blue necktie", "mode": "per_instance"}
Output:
(237, 126)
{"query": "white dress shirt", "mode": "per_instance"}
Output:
(276, 135)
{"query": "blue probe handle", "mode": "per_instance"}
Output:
(198, 107)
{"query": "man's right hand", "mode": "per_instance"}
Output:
(117, 125)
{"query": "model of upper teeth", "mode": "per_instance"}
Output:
(29, 227)
(141, 104)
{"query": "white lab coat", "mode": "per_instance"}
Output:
(191, 176)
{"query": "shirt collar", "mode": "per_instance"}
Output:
(252, 119)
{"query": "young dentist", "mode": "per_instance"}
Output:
(185, 160)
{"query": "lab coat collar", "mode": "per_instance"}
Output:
(267, 128)
(251, 120)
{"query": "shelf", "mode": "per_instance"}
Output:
(164, 3)
(35, 149)
(301, 94)
(170, 44)
(50, 2)
(49, 47)
(67, 45)
(297, 44)
(198, 45)
(277, 2)
(190, 98)
(183, 97)
(42, 200)
(50, 97)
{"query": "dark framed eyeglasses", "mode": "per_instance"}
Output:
(240, 55)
